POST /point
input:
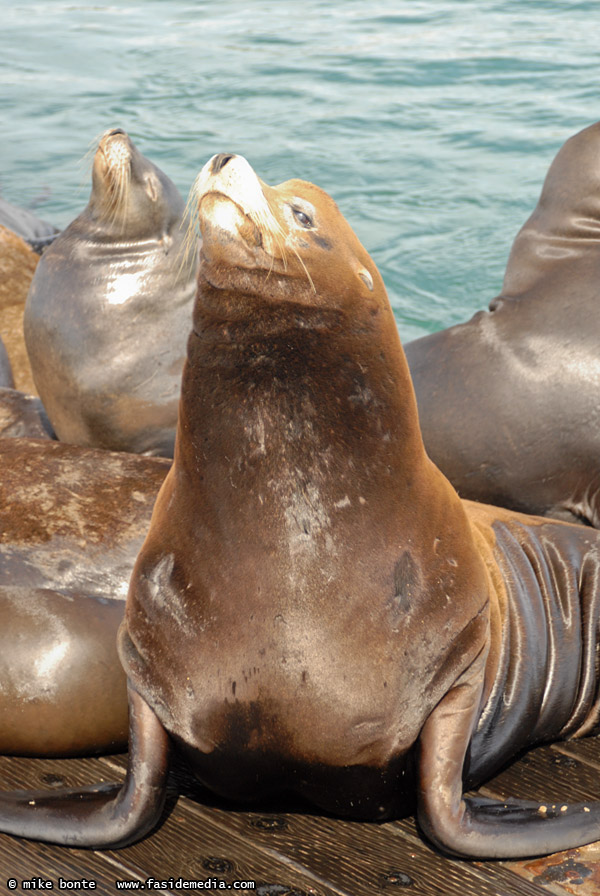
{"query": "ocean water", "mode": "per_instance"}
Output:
(432, 123)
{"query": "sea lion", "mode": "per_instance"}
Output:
(18, 262)
(73, 519)
(23, 416)
(39, 234)
(508, 402)
(109, 370)
(314, 609)
(71, 524)
(62, 689)
(7, 380)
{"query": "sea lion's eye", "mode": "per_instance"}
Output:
(302, 218)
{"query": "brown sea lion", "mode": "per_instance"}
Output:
(18, 262)
(108, 370)
(508, 402)
(73, 519)
(314, 609)
(71, 524)
(62, 689)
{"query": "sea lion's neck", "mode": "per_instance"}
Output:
(312, 371)
(226, 318)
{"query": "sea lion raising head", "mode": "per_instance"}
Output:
(109, 370)
(292, 232)
(508, 401)
(314, 609)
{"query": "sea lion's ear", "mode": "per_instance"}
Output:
(366, 278)
(103, 816)
(151, 187)
(478, 827)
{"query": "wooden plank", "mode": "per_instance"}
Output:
(198, 848)
(559, 773)
(356, 857)
(25, 860)
(587, 749)
(179, 848)
(501, 879)
(575, 871)
(38, 859)
(547, 774)
(287, 854)
(19, 773)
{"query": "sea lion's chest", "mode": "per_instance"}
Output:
(271, 656)
(270, 695)
(258, 657)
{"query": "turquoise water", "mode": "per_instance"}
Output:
(432, 123)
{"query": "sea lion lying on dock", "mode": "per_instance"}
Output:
(72, 521)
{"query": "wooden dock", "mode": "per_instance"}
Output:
(297, 853)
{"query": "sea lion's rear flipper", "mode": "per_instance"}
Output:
(101, 816)
(479, 827)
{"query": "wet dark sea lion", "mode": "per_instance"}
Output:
(314, 609)
(7, 380)
(39, 234)
(71, 524)
(18, 262)
(508, 402)
(109, 370)
(23, 416)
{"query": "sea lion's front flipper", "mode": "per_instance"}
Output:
(105, 816)
(479, 827)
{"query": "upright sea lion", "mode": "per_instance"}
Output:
(109, 309)
(71, 524)
(508, 402)
(18, 262)
(314, 607)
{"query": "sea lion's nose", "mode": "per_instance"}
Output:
(220, 160)
(114, 132)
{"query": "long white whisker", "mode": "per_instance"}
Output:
(310, 280)
(192, 230)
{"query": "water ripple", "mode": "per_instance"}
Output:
(431, 122)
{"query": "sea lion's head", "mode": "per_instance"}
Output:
(555, 253)
(287, 241)
(130, 196)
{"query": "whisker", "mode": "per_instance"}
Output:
(86, 161)
(191, 223)
(119, 178)
(267, 222)
(310, 280)
(263, 219)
